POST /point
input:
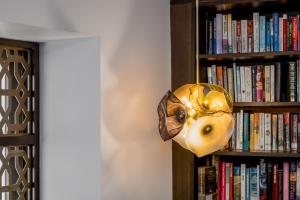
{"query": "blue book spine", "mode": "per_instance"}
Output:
(246, 132)
(262, 33)
(238, 83)
(271, 34)
(247, 183)
(253, 183)
(276, 31)
(214, 37)
(268, 37)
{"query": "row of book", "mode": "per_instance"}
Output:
(258, 83)
(278, 32)
(258, 181)
(265, 132)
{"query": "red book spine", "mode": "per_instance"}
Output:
(219, 180)
(223, 182)
(275, 182)
(285, 181)
(220, 75)
(295, 33)
(238, 37)
(231, 181)
(284, 34)
(259, 84)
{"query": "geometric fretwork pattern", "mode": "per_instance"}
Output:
(16, 89)
(16, 174)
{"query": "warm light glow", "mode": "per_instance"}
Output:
(205, 123)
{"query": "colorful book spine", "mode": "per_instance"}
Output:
(268, 36)
(227, 181)
(272, 82)
(298, 181)
(276, 31)
(223, 181)
(280, 183)
(290, 33)
(294, 131)
(214, 74)
(209, 77)
(243, 181)
(248, 83)
(271, 34)
(250, 36)
(284, 32)
(219, 30)
(235, 82)
(274, 132)
(253, 81)
(239, 36)
(268, 136)
(280, 34)
(295, 33)
(256, 31)
(225, 34)
(267, 83)
(220, 76)
(293, 180)
(292, 81)
(230, 82)
(253, 183)
(215, 36)
(263, 180)
(262, 33)
(236, 183)
(244, 26)
(238, 84)
(233, 33)
(241, 129)
(256, 132)
(225, 78)
(280, 133)
(231, 181)
(275, 182)
(243, 83)
(229, 28)
(286, 125)
(246, 132)
(247, 183)
(259, 83)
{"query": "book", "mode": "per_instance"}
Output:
(241, 129)
(207, 180)
(210, 37)
(280, 183)
(225, 34)
(271, 34)
(259, 83)
(268, 36)
(261, 132)
(280, 34)
(284, 22)
(230, 181)
(267, 86)
(247, 185)
(256, 32)
(209, 75)
(244, 35)
(238, 84)
(239, 37)
(233, 33)
(230, 82)
(275, 182)
(262, 33)
(298, 134)
(289, 33)
(229, 28)
(276, 31)
(227, 180)
(278, 82)
(294, 131)
(269, 180)
(223, 180)
(263, 180)
(250, 36)
(285, 192)
(253, 81)
(268, 133)
(274, 132)
(280, 133)
(256, 143)
(253, 183)
(298, 181)
(214, 74)
(225, 81)
(293, 180)
(220, 76)
(243, 181)
(292, 82)
(295, 33)
(219, 31)
(215, 36)
(286, 129)
(236, 182)
(248, 83)
(272, 83)
(246, 132)
(251, 132)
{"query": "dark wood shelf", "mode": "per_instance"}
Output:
(257, 154)
(267, 104)
(248, 56)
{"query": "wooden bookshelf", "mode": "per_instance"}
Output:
(185, 163)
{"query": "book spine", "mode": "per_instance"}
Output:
(290, 34)
(267, 83)
(284, 32)
(243, 83)
(261, 132)
(219, 30)
(272, 83)
(220, 174)
(280, 34)
(238, 84)
(263, 180)
(230, 82)
(247, 183)
(271, 34)
(275, 182)
(250, 35)
(253, 184)
(225, 34)
(293, 180)
(229, 28)
(280, 133)
(269, 180)
(227, 180)
(231, 181)
(225, 78)
(214, 74)
(220, 76)
(298, 80)
(210, 37)
(244, 26)
(268, 36)
(215, 36)
(286, 126)
(223, 181)
(237, 142)
(246, 132)
(253, 76)
(268, 136)
(259, 83)
(258, 181)
(233, 32)
(256, 132)
(256, 31)
(295, 33)
(235, 82)
(292, 81)
(294, 132)
(276, 31)
(298, 37)
(233, 137)
(262, 33)
(298, 134)
(251, 132)
(248, 81)
(209, 77)
(280, 184)
(243, 181)
(274, 132)
(239, 36)
(298, 181)
(278, 81)
(241, 129)
(237, 183)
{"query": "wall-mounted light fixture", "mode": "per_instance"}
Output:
(197, 116)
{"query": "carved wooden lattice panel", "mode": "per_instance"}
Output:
(17, 171)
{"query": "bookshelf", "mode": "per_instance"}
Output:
(184, 163)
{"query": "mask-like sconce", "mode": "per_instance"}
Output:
(198, 117)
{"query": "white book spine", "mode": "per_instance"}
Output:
(261, 132)
(241, 130)
(267, 83)
(244, 27)
(235, 82)
(298, 181)
(227, 181)
(294, 132)
(280, 34)
(219, 30)
(233, 34)
(209, 77)
(243, 85)
(280, 133)
(256, 31)
(243, 181)
(268, 132)
(214, 74)
(225, 34)
(230, 82)
(248, 79)
(272, 84)
(229, 19)
(237, 141)
(257, 183)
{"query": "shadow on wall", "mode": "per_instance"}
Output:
(136, 164)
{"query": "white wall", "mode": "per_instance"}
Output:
(135, 73)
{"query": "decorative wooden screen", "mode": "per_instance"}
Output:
(19, 121)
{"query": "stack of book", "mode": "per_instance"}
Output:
(258, 82)
(261, 180)
(265, 132)
(207, 185)
(278, 32)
